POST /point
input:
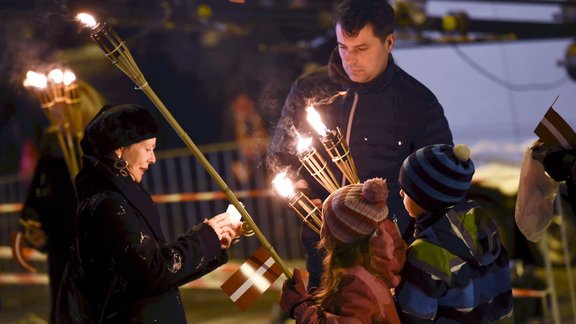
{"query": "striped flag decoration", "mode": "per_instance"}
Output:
(252, 279)
(553, 130)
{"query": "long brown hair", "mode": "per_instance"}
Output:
(340, 256)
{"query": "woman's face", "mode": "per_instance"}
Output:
(139, 157)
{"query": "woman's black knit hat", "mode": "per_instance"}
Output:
(116, 126)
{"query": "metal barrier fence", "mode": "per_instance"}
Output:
(185, 194)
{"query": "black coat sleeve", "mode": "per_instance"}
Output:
(149, 265)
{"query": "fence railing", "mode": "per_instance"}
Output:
(185, 194)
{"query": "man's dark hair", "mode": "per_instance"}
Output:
(353, 15)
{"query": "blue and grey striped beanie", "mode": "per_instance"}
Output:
(437, 176)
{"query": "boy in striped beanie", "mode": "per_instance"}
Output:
(456, 269)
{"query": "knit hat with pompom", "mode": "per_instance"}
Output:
(354, 212)
(437, 176)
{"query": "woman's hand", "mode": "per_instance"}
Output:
(225, 230)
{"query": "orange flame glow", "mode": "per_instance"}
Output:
(304, 143)
(36, 80)
(56, 76)
(69, 77)
(283, 185)
(87, 20)
(313, 117)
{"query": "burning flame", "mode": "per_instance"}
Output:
(304, 143)
(69, 77)
(313, 117)
(56, 75)
(36, 80)
(283, 185)
(87, 20)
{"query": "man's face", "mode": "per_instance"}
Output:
(364, 57)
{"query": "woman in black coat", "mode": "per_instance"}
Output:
(129, 272)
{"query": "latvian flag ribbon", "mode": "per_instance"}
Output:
(553, 130)
(252, 279)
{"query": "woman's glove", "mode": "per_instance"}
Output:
(294, 298)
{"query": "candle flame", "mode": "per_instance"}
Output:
(87, 20)
(36, 80)
(69, 77)
(313, 117)
(56, 75)
(283, 185)
(304, 143)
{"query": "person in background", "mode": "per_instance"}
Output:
(49, 210)
(250, 135)
(560, 164)
(129, 272)
(385, 114)
(353, 289)
(456, 269)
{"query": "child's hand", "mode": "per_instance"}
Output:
(294, 297)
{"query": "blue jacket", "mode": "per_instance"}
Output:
(456, 270)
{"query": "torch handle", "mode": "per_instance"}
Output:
(219, 181)
(68, 158)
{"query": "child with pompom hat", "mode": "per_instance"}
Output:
(362, 261)
(456, 269)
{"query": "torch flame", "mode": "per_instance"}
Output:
(69, 77)
(313, 117)
(87, 20)
(304, 143)
(283, 185)
(34, 79)
(56, 75)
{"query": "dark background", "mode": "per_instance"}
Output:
(195, 55)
